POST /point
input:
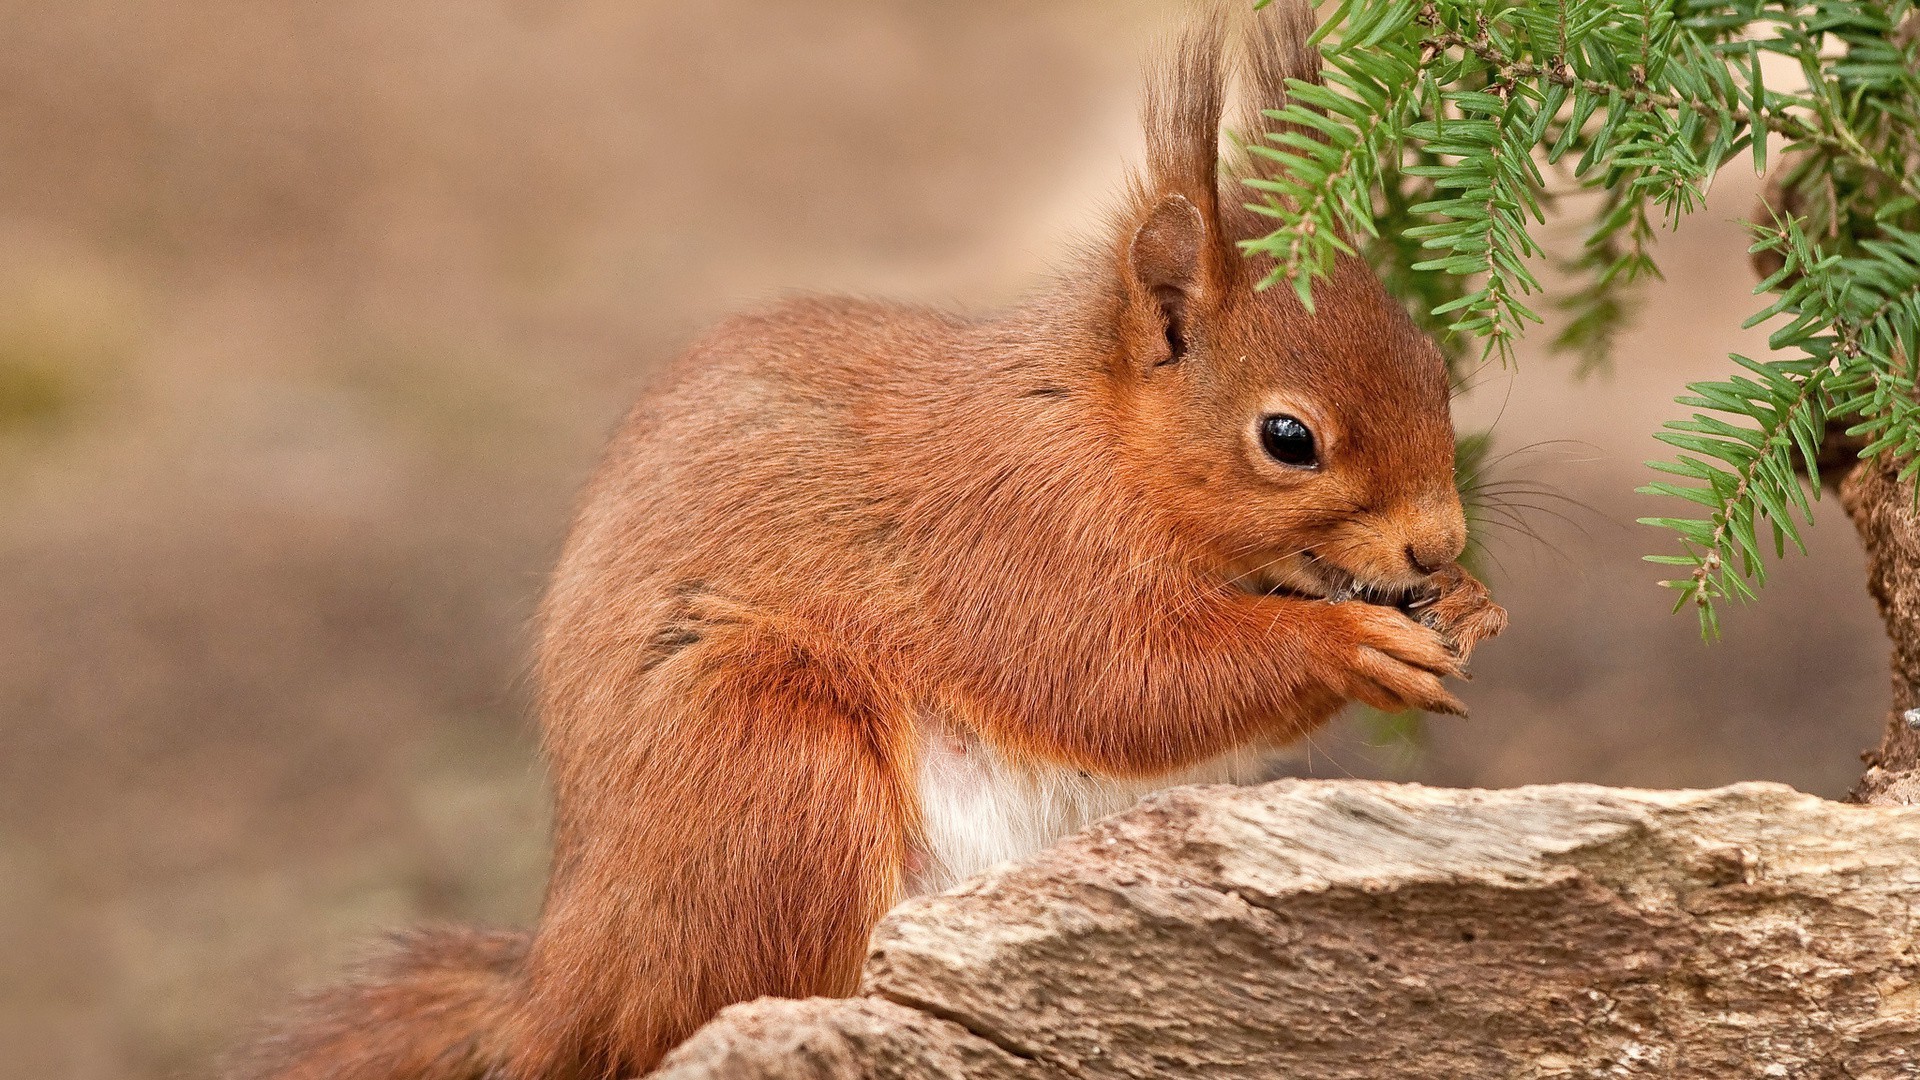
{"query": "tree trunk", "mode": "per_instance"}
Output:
(1883, 510)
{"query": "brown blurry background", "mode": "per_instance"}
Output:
(312, 317)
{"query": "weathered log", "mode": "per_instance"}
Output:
(1345, 929)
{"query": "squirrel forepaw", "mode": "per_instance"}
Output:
(1462, 610)
(1386, 660)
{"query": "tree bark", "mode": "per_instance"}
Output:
(1350, 930)
(1883, 511)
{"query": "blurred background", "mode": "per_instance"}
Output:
(313, 316)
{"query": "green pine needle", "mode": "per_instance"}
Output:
(1427, 151)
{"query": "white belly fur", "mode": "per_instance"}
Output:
(977, 808)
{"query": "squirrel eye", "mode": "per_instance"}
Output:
(1287, 441)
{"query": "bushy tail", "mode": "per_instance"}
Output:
(435, 1007)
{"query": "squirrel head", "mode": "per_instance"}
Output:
(1305, 452)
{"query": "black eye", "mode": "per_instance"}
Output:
(1288, 442)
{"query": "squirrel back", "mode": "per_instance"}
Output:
(863, 596)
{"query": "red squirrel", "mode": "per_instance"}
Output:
(866, 597)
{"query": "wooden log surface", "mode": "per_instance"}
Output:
(1347, 929)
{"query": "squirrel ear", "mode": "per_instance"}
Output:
(1165, 258)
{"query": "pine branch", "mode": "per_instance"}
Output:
(1513, 69)
(1427, 142)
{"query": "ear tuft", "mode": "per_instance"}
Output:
(1165, 258)
(1276, 46)
(1186, 94)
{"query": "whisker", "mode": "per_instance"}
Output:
(1515, 525)
(1540, 445)
(1465, 384)
(1307, 737)
(1513, 504)
(1520, 529)
(1539, 543)
(1485, 550)
(1523, 487)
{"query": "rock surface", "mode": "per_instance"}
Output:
(1326, 930)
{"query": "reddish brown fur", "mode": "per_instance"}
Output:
(433, 1009)
(836, 518)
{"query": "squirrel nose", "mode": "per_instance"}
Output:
(1431, 553)
(1434, 531)
(1425, 564)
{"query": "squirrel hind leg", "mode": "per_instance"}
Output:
(745, 848)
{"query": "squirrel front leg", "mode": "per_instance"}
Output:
(1158, 685)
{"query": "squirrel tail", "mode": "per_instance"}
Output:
(436, 1006)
